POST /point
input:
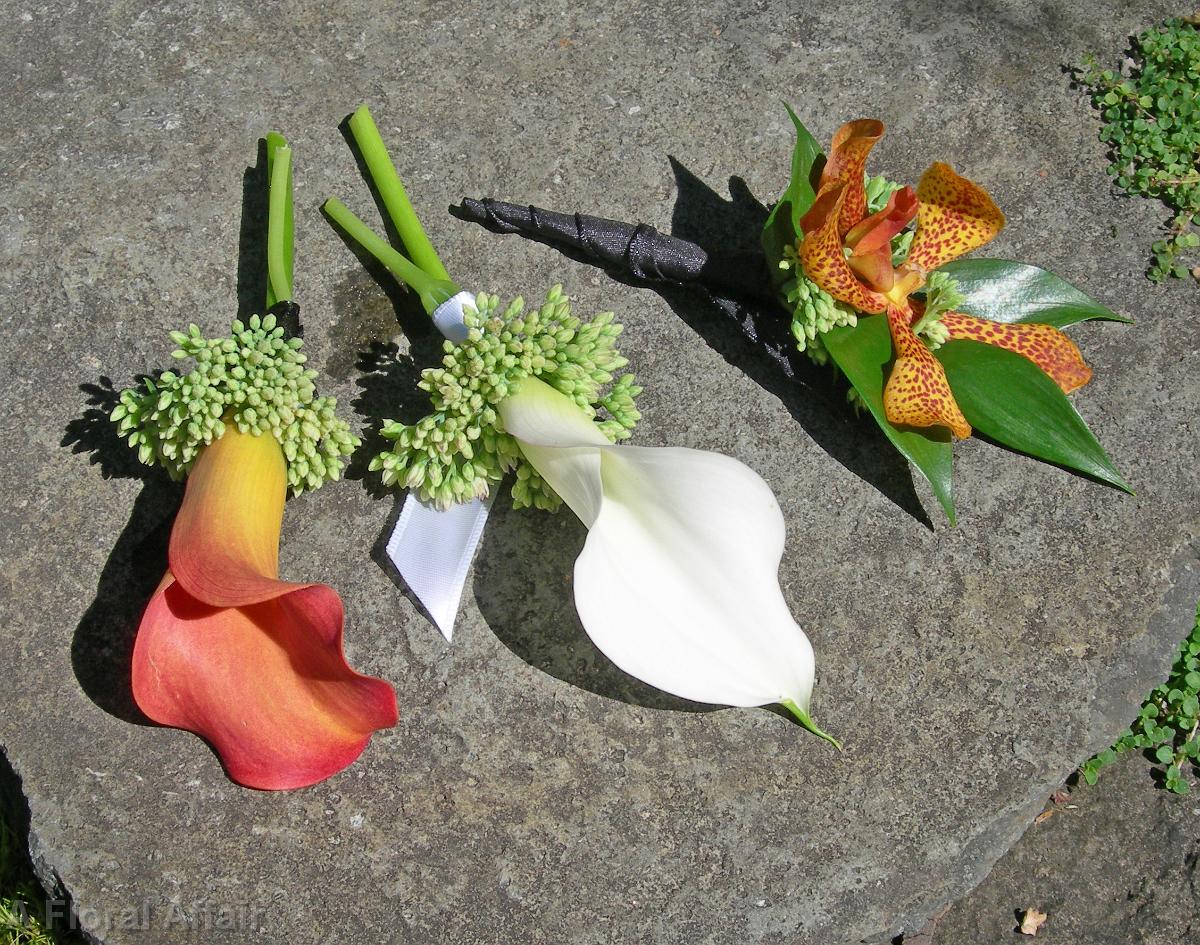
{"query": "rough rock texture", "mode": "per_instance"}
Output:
(531, 793)
(1114, 864)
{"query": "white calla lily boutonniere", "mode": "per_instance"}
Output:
(678, 580)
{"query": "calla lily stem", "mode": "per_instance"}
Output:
(422, 271)
(432, 291)
(394, 196)
(280, 221)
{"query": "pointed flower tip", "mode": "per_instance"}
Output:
(806, 721)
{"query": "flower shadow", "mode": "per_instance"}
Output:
(102, 646)
(522, 585)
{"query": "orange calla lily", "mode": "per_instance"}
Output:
(848, 254)
(251, 663)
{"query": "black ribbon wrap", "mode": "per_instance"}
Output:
(634, 249)
(737, 283)
(288, 314)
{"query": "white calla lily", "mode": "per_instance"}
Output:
(678, 582)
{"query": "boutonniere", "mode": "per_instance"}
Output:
(677, 582)
(872, 276)
(225, 649)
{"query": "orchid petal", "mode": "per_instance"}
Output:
(821, 255)
(846, 164)
(678, 580)
(1044, 345)
(875, 233)
(267, 685)
(917, 393)
(225, 543)
(954, 217)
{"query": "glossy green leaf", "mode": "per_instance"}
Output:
(1010, 399)
(1005, 291)
(864, 353)
(783, 225)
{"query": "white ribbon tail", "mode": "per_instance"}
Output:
(433, 549)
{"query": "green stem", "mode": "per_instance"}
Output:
(806, 720)
(280, 222)
(392, 192)
(432, 291)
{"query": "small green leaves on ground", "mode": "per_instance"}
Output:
(256, 380)
(461, 451)
(1166, 727)
(1152, 127)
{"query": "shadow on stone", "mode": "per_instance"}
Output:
(523, 589)
(34, 898)
(252, 237)
(102, 647)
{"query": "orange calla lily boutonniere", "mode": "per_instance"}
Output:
(225, 649)
(934, 346)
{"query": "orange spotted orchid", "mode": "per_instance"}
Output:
(848, 254)
(225, 649)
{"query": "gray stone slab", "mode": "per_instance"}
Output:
(1111, 864)
(530, 793)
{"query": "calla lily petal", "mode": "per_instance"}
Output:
(954, 217)
(225, 543)
(678, 581)
(847, 160)
(266, 685)
(250, 663)
(821, 254)
(917, 393)
(1044, 345)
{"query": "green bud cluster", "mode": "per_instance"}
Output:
(256, 380)
(461, 450)
(942, 295)
(814, 311)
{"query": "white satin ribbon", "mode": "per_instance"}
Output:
(430, 548)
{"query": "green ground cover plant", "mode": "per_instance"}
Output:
(1151, 114)
(1166, 728)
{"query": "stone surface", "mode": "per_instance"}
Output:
(1114, 864)
(530, 792)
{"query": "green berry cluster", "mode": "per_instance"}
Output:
(255, 379)
(461, 451)
(942, 295)
(1152, 127)
(1167, 724)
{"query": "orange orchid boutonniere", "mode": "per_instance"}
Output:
(933, 345)
(226, 649)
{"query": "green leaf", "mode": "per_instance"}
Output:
(863, 353)
(783, 225)
(1004, 291)
(808, 160)
(1010, 399)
